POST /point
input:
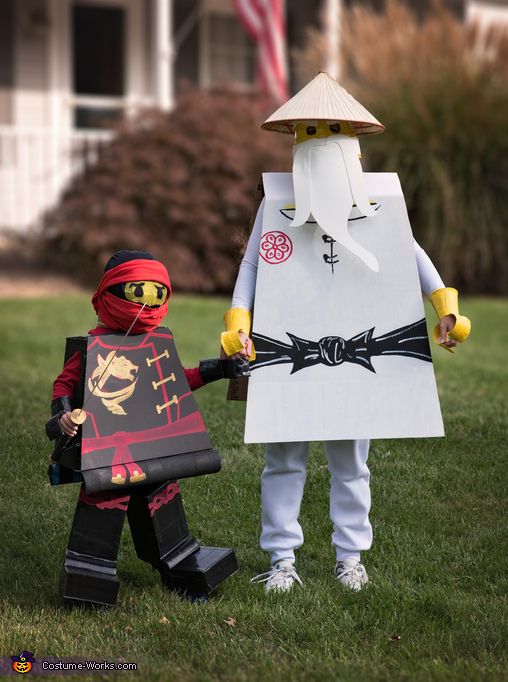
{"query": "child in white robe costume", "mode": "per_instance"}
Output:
(325, 113)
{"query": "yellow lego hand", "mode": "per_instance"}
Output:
(452, 328)
(237, 345)
(236, 342)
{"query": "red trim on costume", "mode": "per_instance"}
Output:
(107, 501)
(164, 497)
(120, 440)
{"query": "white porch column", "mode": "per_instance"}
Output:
(163, 54)
(332, 15)
(57, 146)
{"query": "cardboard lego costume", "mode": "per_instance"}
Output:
(339, 328)
(341, 350)
(142, 431)
(142, 420)
(334, 279)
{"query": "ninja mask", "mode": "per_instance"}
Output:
(131, 279)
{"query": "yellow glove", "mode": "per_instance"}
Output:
(236, 320)
(446, 302)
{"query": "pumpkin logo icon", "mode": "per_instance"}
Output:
(23, 663)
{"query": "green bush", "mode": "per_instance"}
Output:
(441, 89)
(181, 185)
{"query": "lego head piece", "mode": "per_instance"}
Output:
(327, 174)
(132, 279)
(153, 294)
(323, 101)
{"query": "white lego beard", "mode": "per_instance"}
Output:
(328, 180)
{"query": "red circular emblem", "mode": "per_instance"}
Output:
(276, 247)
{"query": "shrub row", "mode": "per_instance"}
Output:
(180, 185)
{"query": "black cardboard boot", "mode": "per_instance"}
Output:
(162, 538)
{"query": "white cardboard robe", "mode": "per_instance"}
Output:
(302, 296)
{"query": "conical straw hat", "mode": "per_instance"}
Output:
(323, 99)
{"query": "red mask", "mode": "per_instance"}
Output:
(114, 312)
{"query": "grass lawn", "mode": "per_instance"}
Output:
(435, 607)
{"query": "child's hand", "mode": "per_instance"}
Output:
(446, 324)
(246, 352)
(68, 427)
(247, 346)
(236, 345)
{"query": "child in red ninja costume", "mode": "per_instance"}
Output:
(126, 425)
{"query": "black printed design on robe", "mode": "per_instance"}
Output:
(332, 258)
(289, 212)
(409, 341)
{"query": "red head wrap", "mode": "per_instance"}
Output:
(114, 312)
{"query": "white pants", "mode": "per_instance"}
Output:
(282, 484)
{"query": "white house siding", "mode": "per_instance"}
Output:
(488, 13)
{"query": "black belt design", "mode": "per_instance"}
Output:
(409, 341)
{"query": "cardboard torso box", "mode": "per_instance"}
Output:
(140, 411)
(310, 288)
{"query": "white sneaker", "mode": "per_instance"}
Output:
(351, 573)
(279, 578)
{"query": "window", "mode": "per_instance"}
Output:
(229, 53)
(98, 64)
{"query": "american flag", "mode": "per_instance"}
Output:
(264, 21)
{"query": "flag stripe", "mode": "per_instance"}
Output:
(250, 18)
(264, 22)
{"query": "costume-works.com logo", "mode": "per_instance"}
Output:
(23, 663)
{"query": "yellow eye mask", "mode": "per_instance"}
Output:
(151, 293)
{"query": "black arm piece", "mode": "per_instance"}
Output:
(212, 370)
(58, 407)
(61, 405)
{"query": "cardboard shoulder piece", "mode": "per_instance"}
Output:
(142, 422)
(342, 351)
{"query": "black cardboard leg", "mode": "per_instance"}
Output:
(162, 538)
(159, 527)
(89, 570)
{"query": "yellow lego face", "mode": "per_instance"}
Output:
(153, 294)
(309, 130)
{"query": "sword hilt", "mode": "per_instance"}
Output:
(78, 416)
